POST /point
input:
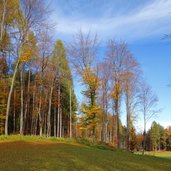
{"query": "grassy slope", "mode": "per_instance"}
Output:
(44, 154)
(162, 154)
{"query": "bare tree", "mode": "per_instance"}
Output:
(45, 51)
(131, 83)
(117, 56)
(148, 102)
(104, 95)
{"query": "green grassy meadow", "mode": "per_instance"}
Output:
(162, 154)
(44, 154)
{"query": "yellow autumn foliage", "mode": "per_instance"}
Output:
(26, 56)
(117, 90)
(29, 50)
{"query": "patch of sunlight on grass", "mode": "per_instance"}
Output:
(12, 138)
(162, 154)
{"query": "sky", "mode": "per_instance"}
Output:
(142, 24)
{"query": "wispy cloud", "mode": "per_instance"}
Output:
(148, 20)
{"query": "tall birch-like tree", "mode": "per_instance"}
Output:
(148, 106)
(29, 16)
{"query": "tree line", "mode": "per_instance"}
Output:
(35, 77)
(158, 138)
(36, 83)
(111, 83)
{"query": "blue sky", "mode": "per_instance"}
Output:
(142, 24)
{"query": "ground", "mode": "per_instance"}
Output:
(161, 154)
(42, 155)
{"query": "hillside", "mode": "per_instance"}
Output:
(52, 155)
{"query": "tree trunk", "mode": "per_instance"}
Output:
(22, 103)
(118, 124)
(128, 122)
(27, 105)
(70, 118)
(49, 113)
(14, 114)
(60, 130)
(9, 97)
(57, 133)
(2, 21)
(58, 125)
(58, 120)
(40, 117)
(105, 132)
(55, 116)
(33, 111)
(144, 144)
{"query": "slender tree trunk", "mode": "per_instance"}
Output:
(33, 111)
(49, 113)
(44, 116)
(14, 117)
(58, 121)
(2, 21)
(55, 115)
(103, 132)
(76, 133)
(106, 120)
(45, 124)
(105, 110)
(40, 117)
(58, 125)
(25, 117)
(57, 132)
(103, 123)
(27, 105)
(113, 130)
(70, 119)
(12, 87)
(128, 122)
(127, 134)
(118, 124)
(22, 103)
(144, 144)
(105, 136)
(60, 130)
(37, 122)
(9, 97)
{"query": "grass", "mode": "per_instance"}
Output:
(41, 154)
(161, 154)
(13, 138)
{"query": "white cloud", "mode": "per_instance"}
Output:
(150, 20)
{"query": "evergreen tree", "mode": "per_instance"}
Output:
(155, 136)
(64, 85)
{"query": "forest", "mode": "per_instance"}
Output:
(37, 91)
